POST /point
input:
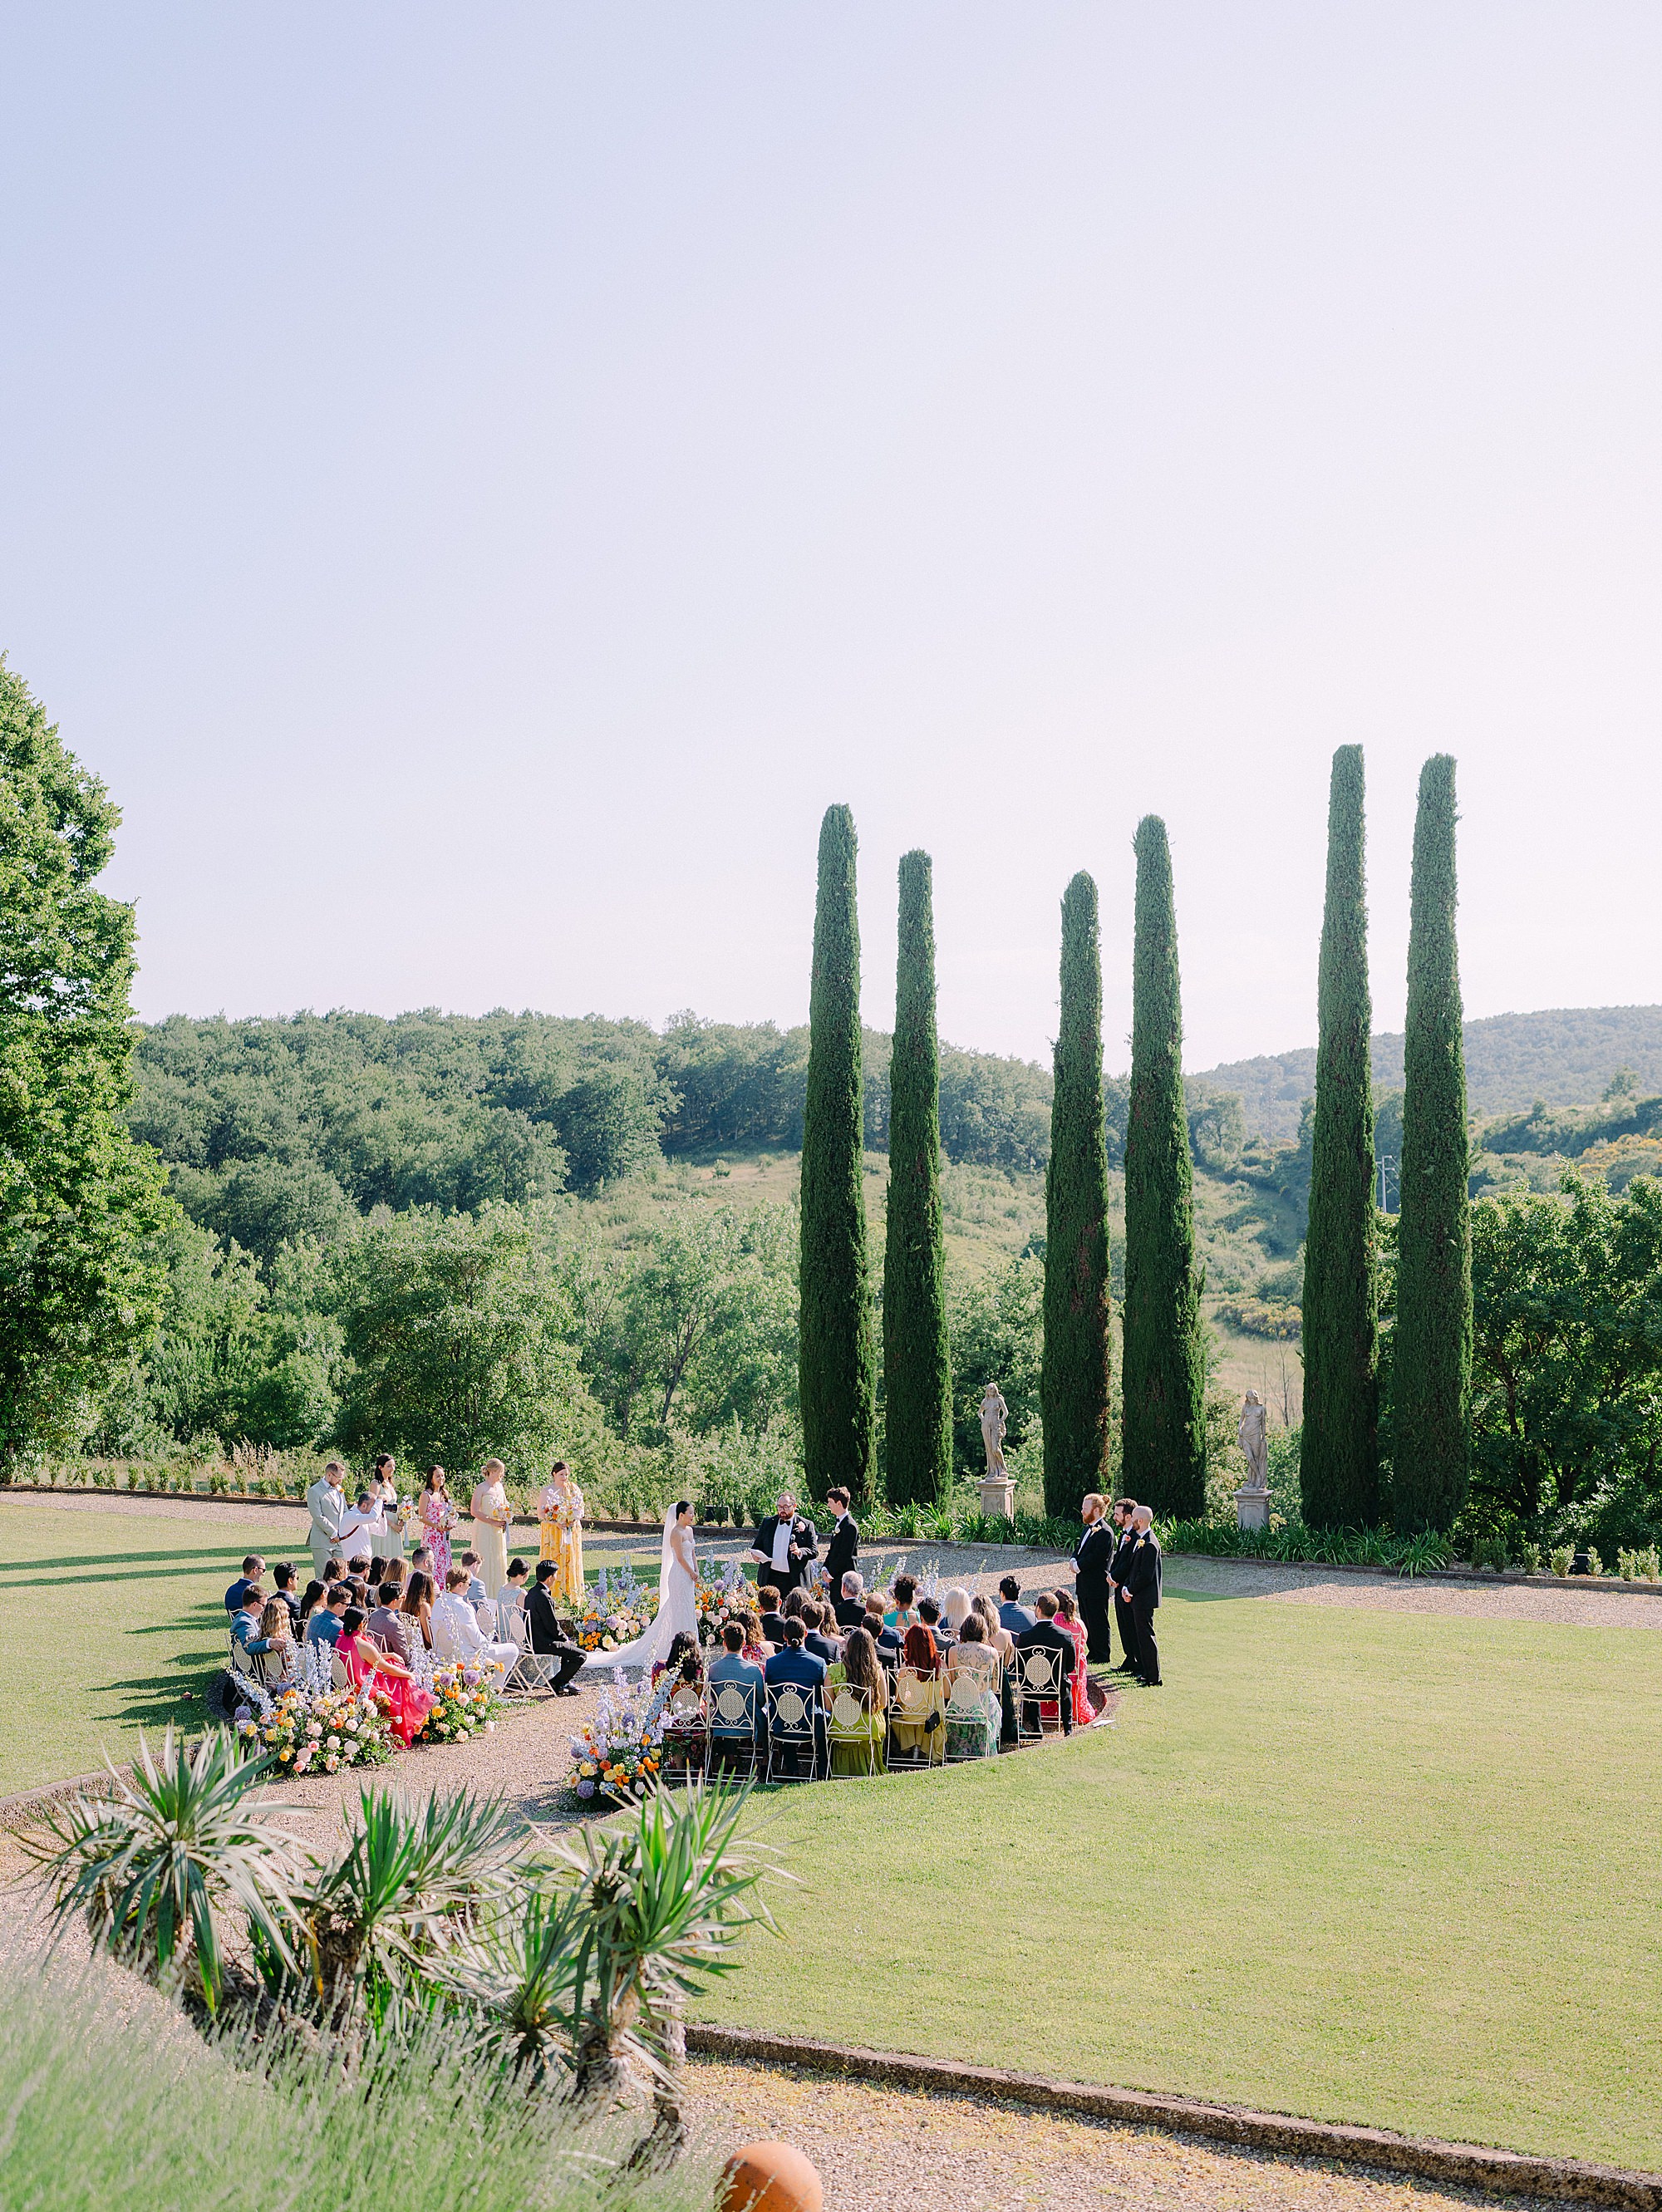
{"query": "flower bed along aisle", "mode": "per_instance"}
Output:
(619, 1609)
(618, 1753)
(467, 1706)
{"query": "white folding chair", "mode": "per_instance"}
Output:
(732, 1717)
(1038, 1683)
(792, 1726)
(447, 1645)
(850, 1724)
(686, 1732)
(338, 1672)
(916, 1697)
(966, 1704)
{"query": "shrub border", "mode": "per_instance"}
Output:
(1465, 2165)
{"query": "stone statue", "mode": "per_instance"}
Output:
(994, 1411)
(1253, 1438)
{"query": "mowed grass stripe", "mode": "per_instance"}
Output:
(1394, 1869)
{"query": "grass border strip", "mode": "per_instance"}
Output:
(18, 1809)
(1464, 2164)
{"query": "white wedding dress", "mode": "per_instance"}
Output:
(677, 1610)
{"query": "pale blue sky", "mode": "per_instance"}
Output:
(478, 482)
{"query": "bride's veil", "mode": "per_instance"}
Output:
(666, 1560)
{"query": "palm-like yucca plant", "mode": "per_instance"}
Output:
(663, 1903)
(397, 1892)
(153, 1867)
(518, 1966)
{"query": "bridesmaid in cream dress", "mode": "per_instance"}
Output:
(491, 1515)
(560, 1521)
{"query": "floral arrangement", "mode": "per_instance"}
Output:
(618, 1752)
(464, 1705)
(721, 1598)
(615, 1613)
(323, 1729)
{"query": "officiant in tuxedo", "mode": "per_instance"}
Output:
(784, 1544)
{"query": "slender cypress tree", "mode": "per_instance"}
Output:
(918, 1379)
(1073, 1377)
(1338, 1463)
(1431, 1364)
(1165, 1371)
(837, 1361)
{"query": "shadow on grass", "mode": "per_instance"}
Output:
(184, 1697)
(177, 1553)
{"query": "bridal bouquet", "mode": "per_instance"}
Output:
(720, 1599)
(615, 1612)
(323, 1731)
(464, 1705)
(617, 1754)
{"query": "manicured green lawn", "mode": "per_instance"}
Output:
(1395, 1870)
(105, 1620)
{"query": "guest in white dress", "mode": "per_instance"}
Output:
(492, 1515)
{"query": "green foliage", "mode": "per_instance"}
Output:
(997, 1335)
(1431, 1354)
(79, 1201)
(917, 1381)
(838, 1351)
(1422, 1555)
(1339, 1466)
(1074, 1377)
(457, 1336)
(1164, 1370)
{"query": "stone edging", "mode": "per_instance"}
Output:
(18, 1810)
(1464, 2164)
(1604, 1584)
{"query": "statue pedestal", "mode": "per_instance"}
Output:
(1252, 1507)
(998, 1496)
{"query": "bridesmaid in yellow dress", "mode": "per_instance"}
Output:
(560, 1523)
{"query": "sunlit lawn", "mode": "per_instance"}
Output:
(1389, 1868)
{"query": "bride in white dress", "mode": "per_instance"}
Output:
(677, 1610)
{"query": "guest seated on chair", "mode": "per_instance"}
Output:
(681, 1648)
(798, 1667)
(245, 1624)
(278, 1627)
(475, 1592)
(771, 1620)
(252, 1568)
(323, 1623)
(547, 1638)
(928, 1614)
(955, 1608)
(1069, 1622)
(1045, 1635)
(387, 1625)
(283, 1581)
(730, 1665)
(922, 1736)
(903, 1614)
(313, 1598)
(455, 1624)
(818, 1639)
(851, 1605)
(758, 1648)
(368, 1667)
(859, 1669)
(375, 1573)
(334, 1567)
(1012, 1613)
(416, 1608)
(513, 1590)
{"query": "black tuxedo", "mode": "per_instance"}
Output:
(1090, 1556)
(841, 1553)
(1143, 1579)
(1118, 1573)
(773, 1627)
(1045, 1635)
(850, 1612)
(542, 1626)
(802, 1534)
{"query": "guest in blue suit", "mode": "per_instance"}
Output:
(800, 1668)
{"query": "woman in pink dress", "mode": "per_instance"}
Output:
(1069, 1622)
(438, 1517)
(368, 1667)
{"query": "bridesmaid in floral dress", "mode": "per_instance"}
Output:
(438, 1518)
(560, 1524)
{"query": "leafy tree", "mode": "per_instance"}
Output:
(1076, 1378)
(838, 1351)
(1165, 1371)
(1338, 1471)
(458, 1339)
(1432, 1356)
(917, 1381)
(80, 1202)
(705, 1328)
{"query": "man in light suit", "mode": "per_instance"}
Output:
(327, 1502)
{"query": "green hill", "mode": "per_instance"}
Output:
(1564, 1056)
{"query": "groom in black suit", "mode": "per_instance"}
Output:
(783, 1544)
(843, 1548)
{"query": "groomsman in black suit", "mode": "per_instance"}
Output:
(784, 1544)
(1119, 1568)
(1091, 1557)
(1142, 1580)
(844, 1549)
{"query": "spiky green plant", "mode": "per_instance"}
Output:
(838, 1358)
(154, 1867)
(1164, 1375)
(918, 1380)
(1073, 1376)
(1431, 1355)
(1338, 1467)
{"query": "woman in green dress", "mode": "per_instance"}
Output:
(859, 1669)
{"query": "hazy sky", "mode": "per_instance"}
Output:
(479, 481)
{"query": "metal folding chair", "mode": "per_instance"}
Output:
(850, 1724)
(1038, 1683)
(792, 1726)
(731, 1734)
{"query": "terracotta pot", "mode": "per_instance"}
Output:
(770, 2176)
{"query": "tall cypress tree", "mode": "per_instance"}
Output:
(1338, 1463)
(917, 1381)
(1073, 1377)
(1431, 1363)
(1165, 1371)
(837, 1361)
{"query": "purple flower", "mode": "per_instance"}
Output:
(585, 1789)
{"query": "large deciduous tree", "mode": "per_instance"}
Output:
(838, 1370)
(1431, 1369)
(1164, 1380)
(1075, 1378)
(1338, 1467)
(81, 1204)
(918, 1383)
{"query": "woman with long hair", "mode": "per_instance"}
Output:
(368, 1667)
(310, 1602)
(1069, 1622)
(859, 1669)
(1004, 1644)
(972, 1708)
(919, 1695)
(437, 1515)
(277, 1624)
(955, 1609)
(560, 1529)
(418, 1606)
